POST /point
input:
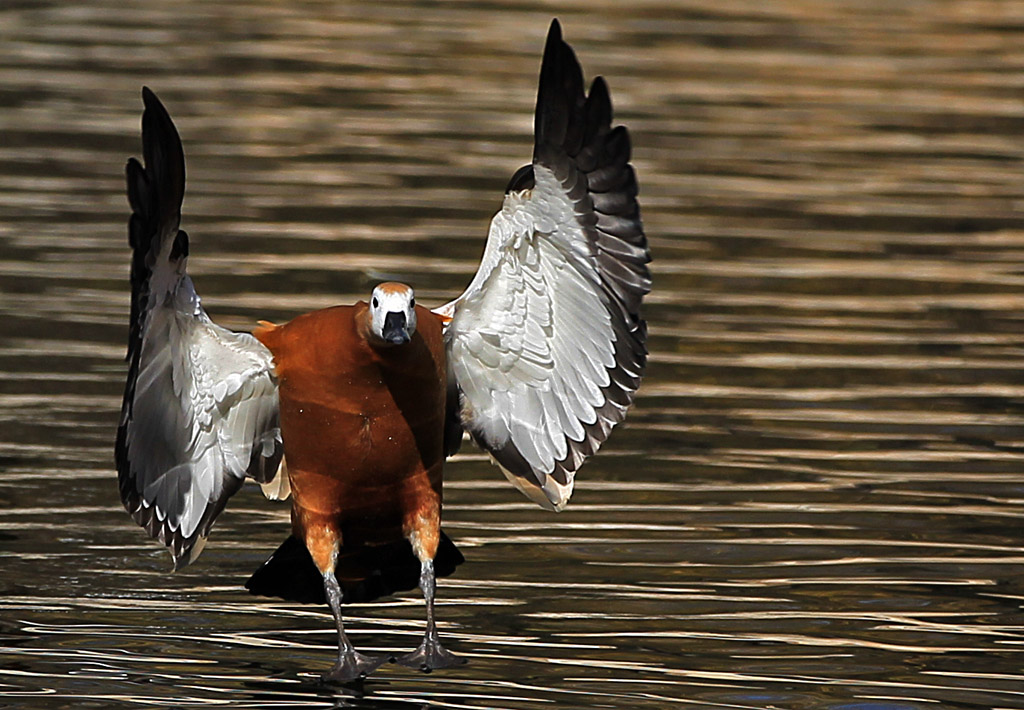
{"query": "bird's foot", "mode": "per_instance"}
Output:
(353, 666)
(430, 655)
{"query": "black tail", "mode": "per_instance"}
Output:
(365, 573)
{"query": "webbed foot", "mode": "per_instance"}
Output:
(430, 655)
(352, 666)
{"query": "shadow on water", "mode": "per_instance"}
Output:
(816, 501)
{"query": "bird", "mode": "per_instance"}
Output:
(351, 411)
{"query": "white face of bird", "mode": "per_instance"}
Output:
(393, 313)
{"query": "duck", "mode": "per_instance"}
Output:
(350, 411)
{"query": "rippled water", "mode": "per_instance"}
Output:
(817, 500)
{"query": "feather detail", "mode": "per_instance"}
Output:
(200, 408)
(546, 345)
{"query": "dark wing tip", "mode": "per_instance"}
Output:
(559, 93)
(554, 39)
(575, 139)
(163, 154)
(156, 188)
(152, 104)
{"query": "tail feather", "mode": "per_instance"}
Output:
(365, 573)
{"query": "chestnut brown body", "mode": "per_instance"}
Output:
(363, 426)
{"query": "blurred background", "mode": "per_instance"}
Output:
(817, 500)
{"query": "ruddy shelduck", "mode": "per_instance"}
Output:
(351, 411)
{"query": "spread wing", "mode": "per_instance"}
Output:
(546, 346)
(200, 406)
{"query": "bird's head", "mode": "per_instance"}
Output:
(393, 313)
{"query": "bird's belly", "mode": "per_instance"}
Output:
(366, 472)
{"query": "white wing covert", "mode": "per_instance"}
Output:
(546, 346)
(200, 408)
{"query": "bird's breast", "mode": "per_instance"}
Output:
(363, 430)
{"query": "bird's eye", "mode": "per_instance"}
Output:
(412, 302)
(376, 303)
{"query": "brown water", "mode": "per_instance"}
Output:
(817, 501)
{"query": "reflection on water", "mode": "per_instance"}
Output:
(817, 501)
